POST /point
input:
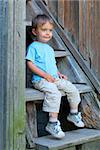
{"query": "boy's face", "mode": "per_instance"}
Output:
(44, 32)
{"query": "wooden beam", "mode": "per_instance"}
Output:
(12, 74)
(61, 12)
(3, 61)
(72, 49)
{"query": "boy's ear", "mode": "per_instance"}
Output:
(34, 31)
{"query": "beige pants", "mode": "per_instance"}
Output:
(52, 92)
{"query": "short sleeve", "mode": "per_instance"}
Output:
(30, 53)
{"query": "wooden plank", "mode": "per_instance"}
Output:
(10, 81)
(61, 10)
(90, 109)
(31, 123)
(94, 145)
(73, 50)
(3, 72)
(70, 148)
(89, 33)
(52, 6)
(28, 23)
(72, 138)
(12, 67)
(60, 53)
(32, 10)
(71, 20)
(35, 95)
(19, 73)
(83, 88)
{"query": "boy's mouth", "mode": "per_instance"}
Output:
(47, 37)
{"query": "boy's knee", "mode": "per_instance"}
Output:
(52, 102)
(56, 94)
(74, 90)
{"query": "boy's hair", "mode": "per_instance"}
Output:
(40, 20)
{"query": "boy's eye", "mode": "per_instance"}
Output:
(50, 30)
(44, 29)
(47, 30)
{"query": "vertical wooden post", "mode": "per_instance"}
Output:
(3, 71)
(12, 74)
(61, 12)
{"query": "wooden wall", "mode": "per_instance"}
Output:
(80, 20)
(89, 33)
(12, 75)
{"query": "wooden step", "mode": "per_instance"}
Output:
(83, 88)
(35, 95)
(61, 53)
(81, 139)
(28, 23)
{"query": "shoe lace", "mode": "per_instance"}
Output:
(57, 127)
(78, 117)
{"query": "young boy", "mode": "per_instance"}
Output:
(46, 77)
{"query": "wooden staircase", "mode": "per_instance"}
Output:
(81, 139)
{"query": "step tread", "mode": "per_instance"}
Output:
(83, 88)
(35, 95)
(71, 138)
(28, 23)
(60, 53)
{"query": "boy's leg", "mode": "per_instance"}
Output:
(53, 117)
(73, 99)
(51, 104)
(52, 97)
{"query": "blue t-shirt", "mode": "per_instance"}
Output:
(42, 55)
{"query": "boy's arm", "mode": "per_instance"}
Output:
(39, 72)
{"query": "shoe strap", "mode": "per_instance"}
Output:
(74, 113)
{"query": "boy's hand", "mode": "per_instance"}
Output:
(62, 76)
(49, 78)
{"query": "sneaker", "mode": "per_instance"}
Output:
(76, 119)
(55, 130)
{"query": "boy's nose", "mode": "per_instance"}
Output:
(48, 32)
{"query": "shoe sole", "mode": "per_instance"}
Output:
(58, 137)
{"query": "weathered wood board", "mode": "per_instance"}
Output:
(12, 74)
